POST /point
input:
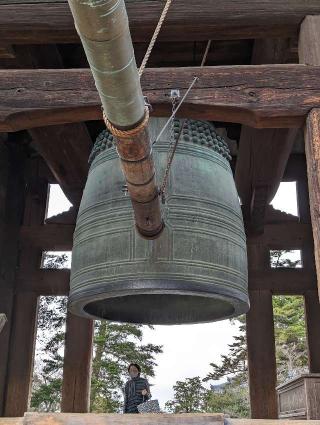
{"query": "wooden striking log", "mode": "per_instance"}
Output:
(309, 52)
(261, 356)
(266, 96)
(77, 365)
(51, 22)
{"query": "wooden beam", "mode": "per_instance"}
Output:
(279, 281)
(263, 154)
(77, 365)
(58, 237)
(261, 356)
(47, 237)
(45, 281)
(43, 22)
(20, 363)
(267, 96)
(66, 149)
(261, 162)
(312, 315)
(283, 281)
(309, 52)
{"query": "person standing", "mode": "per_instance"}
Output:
(136, 390)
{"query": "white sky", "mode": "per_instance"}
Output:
(188, 350)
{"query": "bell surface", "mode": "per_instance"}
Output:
(196, 271)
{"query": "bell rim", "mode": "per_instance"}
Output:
(236, 298)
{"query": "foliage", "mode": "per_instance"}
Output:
(232, 399)
(115, 346)
(189, 396)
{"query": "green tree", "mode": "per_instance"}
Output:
(189, 396)
(290, 336)
(230, 398)
(115, 346)
(291, 351)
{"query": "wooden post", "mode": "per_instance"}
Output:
(20, 364)
(309, 53)
(77, 365)
(12, 187)
(312, 314)
(261, 356)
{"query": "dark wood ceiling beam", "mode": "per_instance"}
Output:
(66, 149)
(265, 96)
(43, 22)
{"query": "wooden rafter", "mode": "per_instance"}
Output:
(266, 96)
(66, 149)
(43, 22)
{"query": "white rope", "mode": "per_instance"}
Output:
(154, 37)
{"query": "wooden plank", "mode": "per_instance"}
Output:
(51, 22)
(312, 314)
(77, 365)
(261, 356)
(20, 366)
(128, 419)
(259, 96)
(66, 149)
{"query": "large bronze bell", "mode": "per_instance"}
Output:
(196, 271)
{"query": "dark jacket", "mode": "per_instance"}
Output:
(132, 394)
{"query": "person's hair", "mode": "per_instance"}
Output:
(136, 365)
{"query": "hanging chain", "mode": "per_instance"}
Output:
(173, 146)
(154, 37)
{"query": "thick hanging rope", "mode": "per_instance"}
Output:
(174, 147)
(154, 37)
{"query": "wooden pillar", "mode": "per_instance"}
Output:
(309, 54)
(12, 196)
(77, 365)
(312, 314)
(20, 365)
(261, 356)
(260, 339)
